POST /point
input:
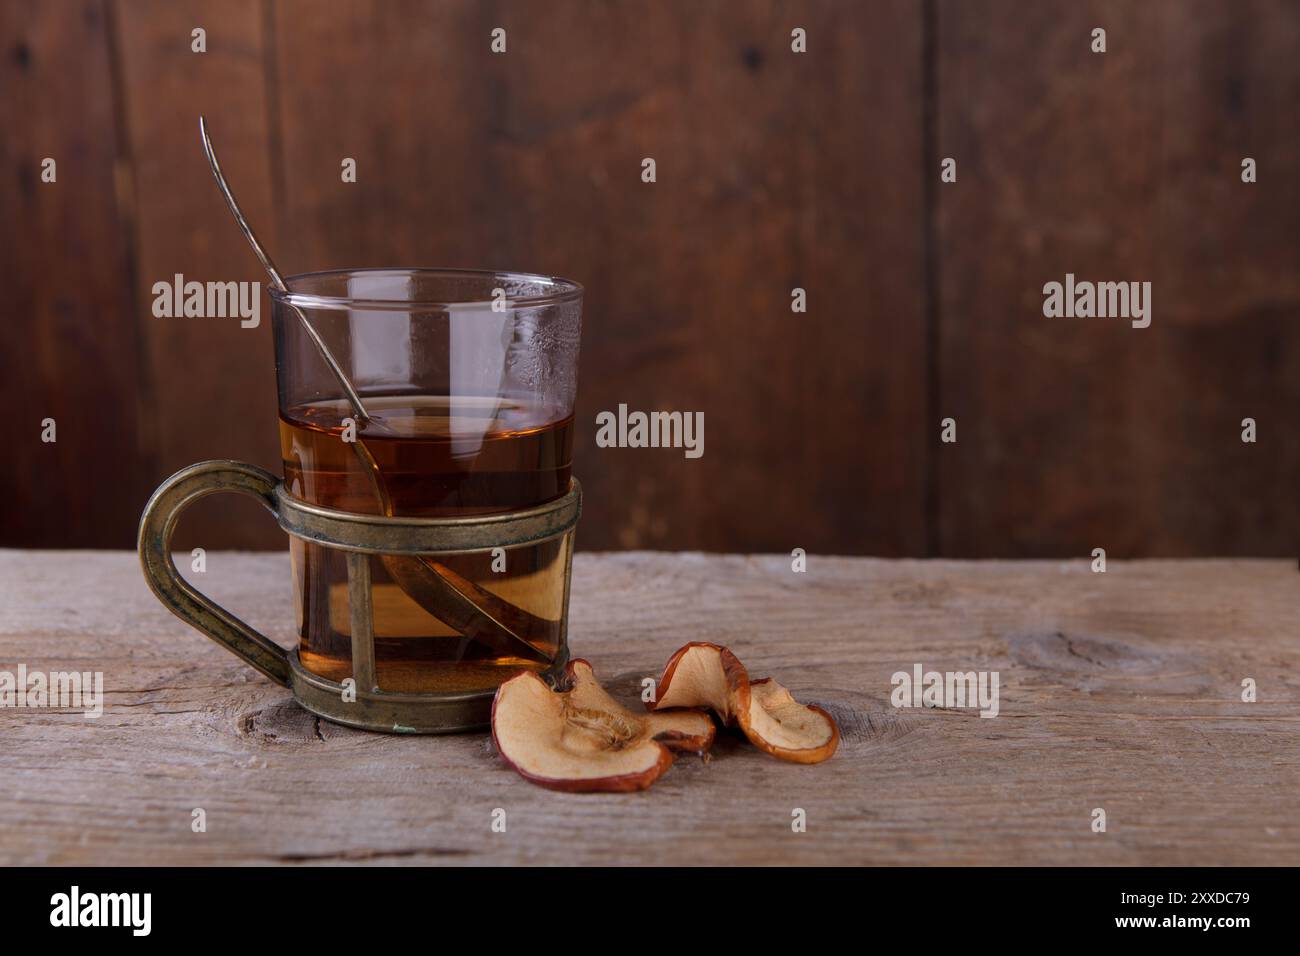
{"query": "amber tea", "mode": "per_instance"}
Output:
(437, 456)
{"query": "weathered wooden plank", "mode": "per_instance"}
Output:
(773, 172)
(70, 338)
(210, 383)
(1119, 691)
(1083, 433)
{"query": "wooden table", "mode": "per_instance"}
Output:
(1119, 691)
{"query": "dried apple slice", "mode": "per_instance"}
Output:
(582, 740)
(779, 724)
(704, 675)
(709, 675)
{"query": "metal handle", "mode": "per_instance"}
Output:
(157, 525)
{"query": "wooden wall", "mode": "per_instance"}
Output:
(775, 170)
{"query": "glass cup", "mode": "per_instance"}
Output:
(469, 380)
(426, 428)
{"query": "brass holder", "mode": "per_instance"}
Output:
(358, 535)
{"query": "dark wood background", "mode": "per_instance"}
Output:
(775, 170)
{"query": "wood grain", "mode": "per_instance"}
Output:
(1083, 433)
(69, 347)
(771, 175)
(209, 387)
(1118, 690)
(775, 170)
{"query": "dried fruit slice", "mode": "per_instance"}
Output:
(785, 728)
(582, 740)
(709, 675)
(704, 675)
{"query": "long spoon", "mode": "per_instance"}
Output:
(278, 280)
(457, 601)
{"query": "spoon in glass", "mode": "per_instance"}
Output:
(455, 600)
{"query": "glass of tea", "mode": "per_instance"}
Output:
(467, 381)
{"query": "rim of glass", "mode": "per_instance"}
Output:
(562, 290)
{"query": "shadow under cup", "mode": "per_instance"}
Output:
(468, 382)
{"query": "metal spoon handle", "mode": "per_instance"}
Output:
(354, 399)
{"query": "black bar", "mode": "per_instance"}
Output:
(382, 906)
